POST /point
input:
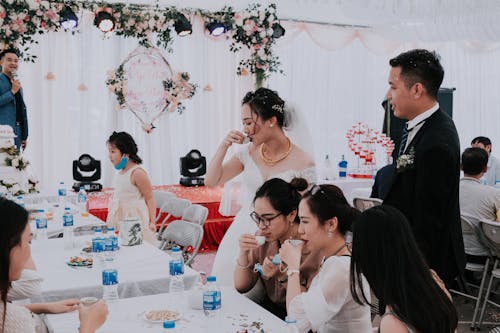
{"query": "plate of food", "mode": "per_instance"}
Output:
(159, 316)
(80, 262)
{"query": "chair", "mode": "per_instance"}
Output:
(491, 230)
(363, 204)
(472, 231)
(173, 207)
(161, 198)
(195, 214)
(183, 234)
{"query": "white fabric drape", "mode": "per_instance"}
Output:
(336, 77)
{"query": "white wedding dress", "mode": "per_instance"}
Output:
(251, 180)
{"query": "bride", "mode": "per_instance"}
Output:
(269, 154)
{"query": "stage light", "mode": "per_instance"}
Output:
(182, 26)
(69, 20)
(216, 29)
(104, 21)
(86, 171)
(192, 166)
(278, 30)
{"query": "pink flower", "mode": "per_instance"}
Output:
(265, 40)
(50, 14)
(256, 46)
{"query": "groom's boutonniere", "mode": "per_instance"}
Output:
(406, 161)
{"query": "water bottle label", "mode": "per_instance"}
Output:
(68, 220)
(176, 267)
(108, 244)
(97, 245)
(41, 223)
(82, 198)
(109, 277)
(62, 192)
(114, 241)
(211, 300)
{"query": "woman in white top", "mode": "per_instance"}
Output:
(327, 306)
(269, 154)
(15, 252)
(133, 194)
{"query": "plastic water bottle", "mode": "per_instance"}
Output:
(291, 325)
(110, 285)
(176, 266)
(41, 225)
(211, 297)
(62, 193)
(328, 168)
(68, 223)
(342, 168)
(169, 326)
(98, 247)
(20, 201)
(110, 245)
(113, 237)
(82, 199)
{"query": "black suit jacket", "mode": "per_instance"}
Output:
(427, 194)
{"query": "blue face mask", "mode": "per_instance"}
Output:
(123, 162)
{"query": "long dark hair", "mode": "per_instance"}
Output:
(126, 145)
(328, 201)
(265, 104)
(13, 222)
(283, 196)
(386, 253)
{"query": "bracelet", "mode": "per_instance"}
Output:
(241, 266)
(292, 271)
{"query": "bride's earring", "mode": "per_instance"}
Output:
(329, 234)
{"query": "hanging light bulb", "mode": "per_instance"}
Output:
(278, 30)
(182, 26)
(68, 19)
(216, 29)
(104, 20)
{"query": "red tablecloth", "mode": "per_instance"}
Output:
(214, 228)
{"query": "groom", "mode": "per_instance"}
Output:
(426, 181)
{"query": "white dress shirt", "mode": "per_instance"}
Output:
(416, 123)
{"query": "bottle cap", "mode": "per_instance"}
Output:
(176, 249)
(67, 208)
(111, 229)
(169, 324)
(98, 230)
(211, 278)
(290, 320)
(41, 211)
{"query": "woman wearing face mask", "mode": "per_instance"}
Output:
(133, 195)
(327, 306)
(275, 214)
(15, 254)
(269, 154)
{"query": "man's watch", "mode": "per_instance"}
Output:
(292, 271)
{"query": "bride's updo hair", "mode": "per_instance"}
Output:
(266, 103)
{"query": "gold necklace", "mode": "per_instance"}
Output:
(271, 162)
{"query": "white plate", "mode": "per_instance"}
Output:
(175, 317)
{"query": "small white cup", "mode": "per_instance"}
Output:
(296, 242)
(260, 240)
(88, 301)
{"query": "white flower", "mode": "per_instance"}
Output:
(32, 179)
(15, 188)
(10, 2)
(9, 180)
(15, 162)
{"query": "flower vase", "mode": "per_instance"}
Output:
(259, 78)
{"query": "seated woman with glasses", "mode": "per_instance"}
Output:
(384, 251)
(327, 306)
(275, 214)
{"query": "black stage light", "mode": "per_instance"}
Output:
(278, 30)
(104, 21)
(193, 165)
(182, 26)
(216, 29)
(86, 171)
(68, 19)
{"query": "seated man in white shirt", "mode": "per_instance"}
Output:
(492, 175)
(477, 202)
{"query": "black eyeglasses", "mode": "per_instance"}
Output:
(266, 221)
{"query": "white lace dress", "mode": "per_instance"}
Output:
(251, 180)
(18, 319)
(127, 201)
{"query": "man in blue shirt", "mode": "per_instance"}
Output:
(12, 107)
(492, 174)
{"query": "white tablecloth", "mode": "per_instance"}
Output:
(348, 185)
(125, 316)
(142, 270)
(55, 225)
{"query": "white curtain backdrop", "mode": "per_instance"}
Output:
(335, 76)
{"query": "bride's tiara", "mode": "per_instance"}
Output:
(278, 108)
